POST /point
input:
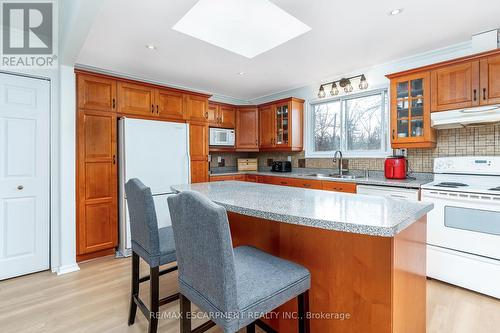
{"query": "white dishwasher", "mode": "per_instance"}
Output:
(389, 191)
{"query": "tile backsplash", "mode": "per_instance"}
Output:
(483, 140)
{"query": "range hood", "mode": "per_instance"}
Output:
(466, 117)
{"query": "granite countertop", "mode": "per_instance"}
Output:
(355, 213)
(374, 178)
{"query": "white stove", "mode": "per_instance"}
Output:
(463, 229)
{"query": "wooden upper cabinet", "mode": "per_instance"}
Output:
(213, 114)
(136, 99)
(221, 115)
(410, 112)
(96, 93)
(281, 125)
(247, 129)
(227, 116)
(455, 86)
(197, 108)
(266, 126)
(490, 80)
(169, 104)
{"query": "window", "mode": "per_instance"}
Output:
(355, 124)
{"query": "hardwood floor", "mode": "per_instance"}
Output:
(96, 299)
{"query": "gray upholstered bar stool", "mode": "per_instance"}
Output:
(153, 245)
(231, 285)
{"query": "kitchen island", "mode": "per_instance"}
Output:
(366, 254)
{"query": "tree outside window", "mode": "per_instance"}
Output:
(354, 124)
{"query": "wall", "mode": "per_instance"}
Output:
(457, 142)
(475, 141)
(67, 246)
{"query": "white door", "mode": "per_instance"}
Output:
(24, 175)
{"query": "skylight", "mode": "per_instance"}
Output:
(245, 27)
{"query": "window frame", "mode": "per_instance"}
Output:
(309, 127)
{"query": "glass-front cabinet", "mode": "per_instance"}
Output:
(282, 124)
(410, 112)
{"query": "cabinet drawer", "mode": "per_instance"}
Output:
(339, 187)
(252, 178)
(221, 178)
(240, 177)
(275, 180)
(307, 183)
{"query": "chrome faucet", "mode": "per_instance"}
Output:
(338, 153)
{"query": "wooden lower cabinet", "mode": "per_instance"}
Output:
(252, 178)
(222, 178)
(339, 186)
(288, 181)
(378, 282)
(97, 191)
(242, 178)
(307, 183)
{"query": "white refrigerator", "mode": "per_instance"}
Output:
(157, 153)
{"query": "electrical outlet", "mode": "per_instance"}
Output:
(219, 159)
(289, 158)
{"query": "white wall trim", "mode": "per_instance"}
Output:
(67, 269)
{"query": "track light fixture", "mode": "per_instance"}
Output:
(343, 83)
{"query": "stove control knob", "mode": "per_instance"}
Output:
(440, 166)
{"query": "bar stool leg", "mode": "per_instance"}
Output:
(185, 309)
(134, 289)
(303, 302)
(155, 298)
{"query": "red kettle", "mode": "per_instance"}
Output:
(396, 167)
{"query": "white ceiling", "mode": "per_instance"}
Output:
(346, 35)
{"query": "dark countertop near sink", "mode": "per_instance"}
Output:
(374, 177)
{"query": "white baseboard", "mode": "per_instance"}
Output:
(67, 269)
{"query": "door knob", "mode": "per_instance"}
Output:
(20, 187)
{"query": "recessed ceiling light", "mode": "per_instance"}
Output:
(151, 47)
(396, 11)
(245, 27)
(241, 73)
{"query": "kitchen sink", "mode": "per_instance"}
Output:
(329, 175)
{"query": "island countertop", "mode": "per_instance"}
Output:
(353, 213)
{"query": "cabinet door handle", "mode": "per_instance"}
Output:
(393, 134)
(306, 185)
(157, 109)
(114, 103)
(475, 93)
(114, 159)
(152, 108)
(484, 94)
(256, 142)
(20, 187)
(206, 115)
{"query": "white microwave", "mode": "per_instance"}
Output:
(222, 137)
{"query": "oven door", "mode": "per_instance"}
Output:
(465, 222)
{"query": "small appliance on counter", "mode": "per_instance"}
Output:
(396, 167)
(281, 166)
(247, 164)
